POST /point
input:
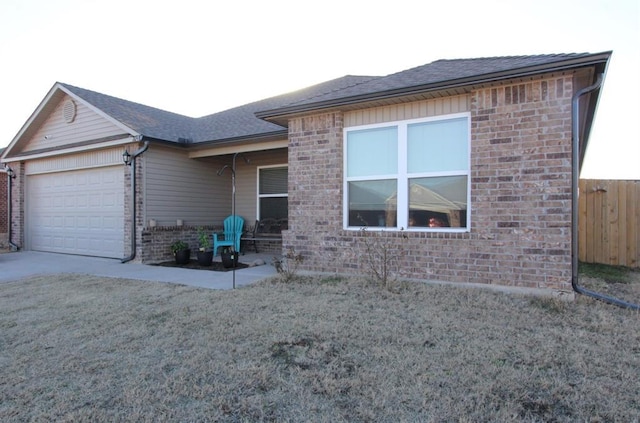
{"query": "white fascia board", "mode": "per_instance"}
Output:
(63, 151)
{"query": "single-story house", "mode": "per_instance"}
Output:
(463, 166)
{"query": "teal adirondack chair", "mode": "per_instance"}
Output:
(232, 225)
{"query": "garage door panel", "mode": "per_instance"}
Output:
(77, 212)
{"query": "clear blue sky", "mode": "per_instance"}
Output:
(200, 57)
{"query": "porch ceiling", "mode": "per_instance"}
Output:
(238, 147)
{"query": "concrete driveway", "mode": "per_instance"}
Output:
(23, 264)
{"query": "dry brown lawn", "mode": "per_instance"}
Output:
(81, 348)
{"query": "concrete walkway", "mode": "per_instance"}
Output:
(23, 264)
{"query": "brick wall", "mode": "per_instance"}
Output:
(156, 242)
(140, 224)
(4, 215)
(520, 196)
(521, 180)
(17, 204)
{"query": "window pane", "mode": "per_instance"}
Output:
(438, 202)
(275, 207)
(372, 152)
(273, 180)
(438, 146)
(373, 203)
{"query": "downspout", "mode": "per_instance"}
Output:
(10, 176)
(575, 157)
(132, 163)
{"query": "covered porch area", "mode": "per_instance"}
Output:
(254, 186)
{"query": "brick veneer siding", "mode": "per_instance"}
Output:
(17, 204)
(4, 211)
(520, 196)
(156, 242)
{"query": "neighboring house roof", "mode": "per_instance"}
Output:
(442, 74)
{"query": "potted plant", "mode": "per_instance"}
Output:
(181, 252)
(205, 253)
(229, 257)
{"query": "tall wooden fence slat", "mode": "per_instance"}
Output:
(609, 222)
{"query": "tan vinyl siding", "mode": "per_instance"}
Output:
(86, 160)
(177, 187)
(87, 125)
(414, 110)
(247, 180)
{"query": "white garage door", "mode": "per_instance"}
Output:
(77, 212)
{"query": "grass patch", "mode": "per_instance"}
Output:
(325, 350)
(610, 274)
(615, 281)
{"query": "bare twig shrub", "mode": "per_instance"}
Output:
(382, 258)
(287, 265)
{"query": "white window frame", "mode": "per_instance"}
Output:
(402, 177)
(259, 196)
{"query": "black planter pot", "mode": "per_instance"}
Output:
(183, 256)
(205, 258)
(229, 259)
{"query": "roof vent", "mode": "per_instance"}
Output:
(69, 111)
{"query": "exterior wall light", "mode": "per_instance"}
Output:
(10, 172)
(126, 157)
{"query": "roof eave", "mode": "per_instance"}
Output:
(264, 136)
(578, 62)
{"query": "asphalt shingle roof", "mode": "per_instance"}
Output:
(247, 121)
(242, 121)
(436, 73)
(232, 123)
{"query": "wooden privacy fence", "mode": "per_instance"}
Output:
(609, 222)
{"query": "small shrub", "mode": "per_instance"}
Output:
(204, 238)
(178, 246)
(381, 258)
(287, 265)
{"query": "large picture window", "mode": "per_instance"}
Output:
(411, 174)
(273, 192)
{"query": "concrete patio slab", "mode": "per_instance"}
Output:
(19, 265)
